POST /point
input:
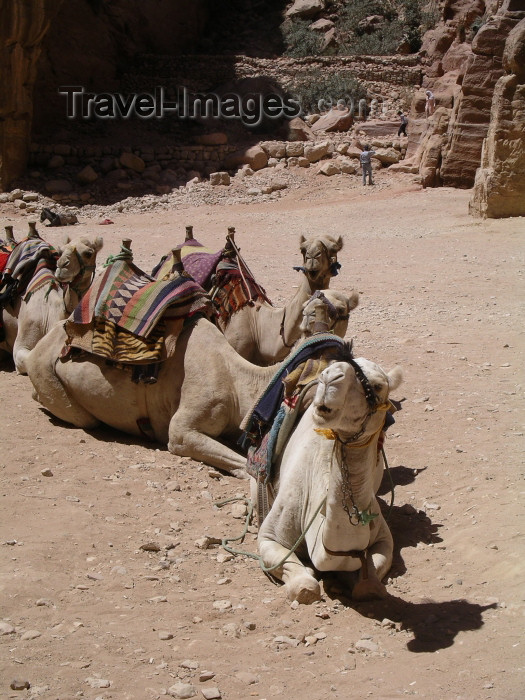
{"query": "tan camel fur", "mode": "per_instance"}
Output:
(263, 334)
(317, 466)
(200, 397)
(28, 321)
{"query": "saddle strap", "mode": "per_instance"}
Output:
(263, 507)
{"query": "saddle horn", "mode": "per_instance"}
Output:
(9, 233)
(189, 233)
(33, 233)
(177, 261)
(230, 248)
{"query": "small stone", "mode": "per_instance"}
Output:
(6, 628)
(150, 547)
(18, 684)
(431, 506)
(223, 581)
(82, 587)
(158, 599)
(250, 625)
(222, 605)
(223, 557)
(98, 682)
(182, 690)
(189, 664)
(387, 623)
(73, 499)
(211, 693)
(247, 677)
(44, 602)
(366, 645)
(206, 676)
(30, 634)
(281, 639)
(165, 635)
(46, 472)
(206, 542)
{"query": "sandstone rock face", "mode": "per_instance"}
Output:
(470, 118)
(499, 188)
(298, 130)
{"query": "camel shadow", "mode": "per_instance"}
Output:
(434, 625)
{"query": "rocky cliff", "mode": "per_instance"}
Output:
(499, 188)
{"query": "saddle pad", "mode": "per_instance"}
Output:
(43, 277)
(26, 254)
(135, 302)
(198, 261)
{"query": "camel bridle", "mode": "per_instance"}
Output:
(73, 284)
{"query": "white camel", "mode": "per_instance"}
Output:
(326, 485)
(264, 334)
(202, 394)
(28, 320)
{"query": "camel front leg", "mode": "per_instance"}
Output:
(378, 563)
(299, 581)
(187, 442)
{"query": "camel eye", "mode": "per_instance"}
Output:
(378, 387)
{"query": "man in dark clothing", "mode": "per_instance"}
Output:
(403, 126)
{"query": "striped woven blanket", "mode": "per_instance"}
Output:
(134, 301)
(43, 276)
(26, 255)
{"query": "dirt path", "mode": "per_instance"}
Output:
(83, 605)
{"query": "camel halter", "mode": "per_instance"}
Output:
(72, 285)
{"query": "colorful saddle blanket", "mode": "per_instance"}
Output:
(126, 314)
(228, 280)
(198, 261)
(44, 276)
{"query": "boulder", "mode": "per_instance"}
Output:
(274, 149)
(295, 149)
(298, 130)
(87, 175)
(306, 8)
(387, 156)
(55, 162)
(321, 25)
(317, 151)
(131, 161)
(335, 120)
(219, 178)
(346, 166)
(329, 168)
(256, 157)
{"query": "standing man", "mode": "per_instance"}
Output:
(366, 163)
(430, 104)
(403, 126)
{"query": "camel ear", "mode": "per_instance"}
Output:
(98, 243)
(67, 239)
(338, 244)
(395, 377)
(353, 300)
(302, 241)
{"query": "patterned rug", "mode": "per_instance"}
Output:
(43, 276)
(128, 316)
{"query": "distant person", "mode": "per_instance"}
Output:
(430, 104)
(366, 163)
(403, 125)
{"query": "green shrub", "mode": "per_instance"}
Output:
(329, 87)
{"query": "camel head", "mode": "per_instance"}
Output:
(328, 310)
(352, 400)
(76, 258)
(320, 259)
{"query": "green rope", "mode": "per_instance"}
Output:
(125, 254)
(266, 569)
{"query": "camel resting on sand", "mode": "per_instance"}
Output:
(329, 475)
(28, 319)
(202, 394)
(264, 334)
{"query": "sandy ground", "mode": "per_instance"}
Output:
(89, 613)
